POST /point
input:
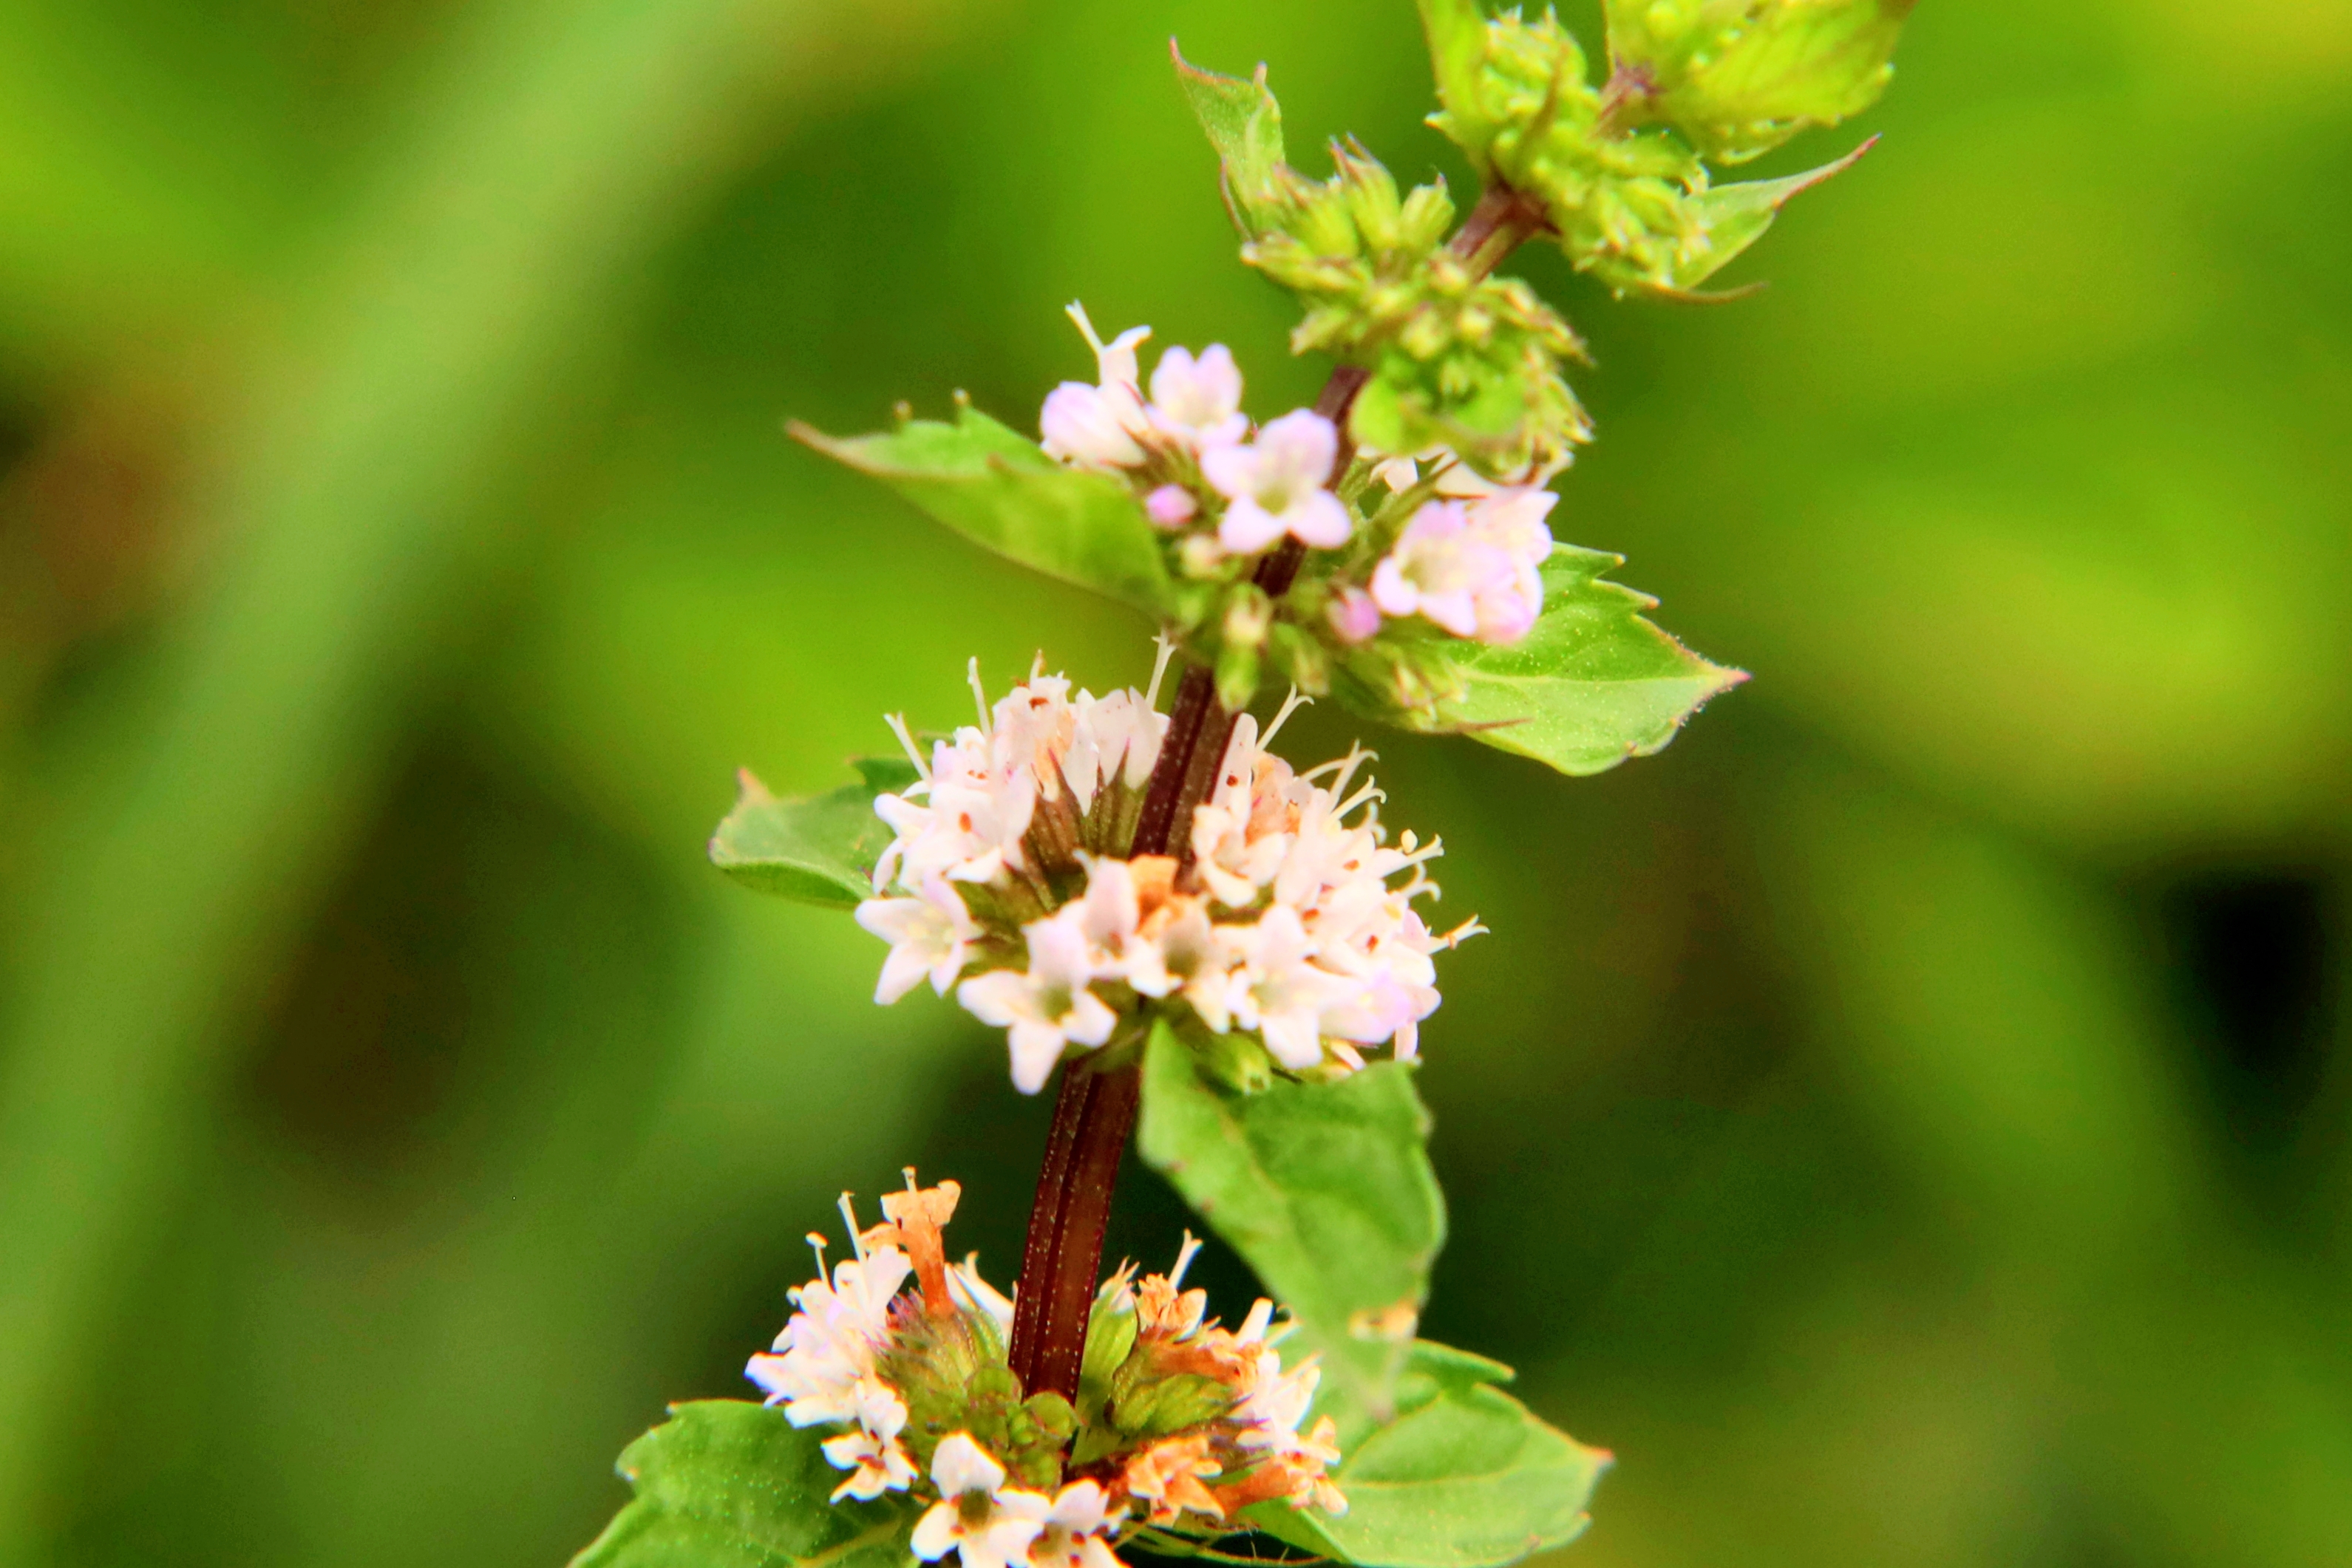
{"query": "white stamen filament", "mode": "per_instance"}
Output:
(1290, 704)
(979, 696)
(898, 722)
(1167, 646)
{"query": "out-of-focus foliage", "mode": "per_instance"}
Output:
(1906, 1120)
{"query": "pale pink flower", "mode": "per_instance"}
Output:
(931, 934)
(1047, 1008)
(1275, 486)
(1075, 1530)
(873, 1452)
(1470, 567)
(1278, 990)
(1170, 506)
(827, 1350)
(1355, 615)
(995, 1535)
(1097, 426)
(1198, 401)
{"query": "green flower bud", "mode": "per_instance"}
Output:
(1161, 1406)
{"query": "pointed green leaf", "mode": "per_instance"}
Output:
(1732, 217)
(724, 1483)
(995, 488)
(1468, 1479)
(1593, 685)
(1244, 125)
(1456, 30)
(1326, 1189)
(820, 849)
(1739, 78)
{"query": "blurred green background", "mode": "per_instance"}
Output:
(1908, 1120)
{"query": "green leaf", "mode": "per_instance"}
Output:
(995, 488)
(1468, 1479)
(1326, 1189)
(724, 1483)
(1244, 125)
(1739, 77)
(1456, 30)
(1431, 1369)
(820, 849)
(1591, 684)
(1732, 217)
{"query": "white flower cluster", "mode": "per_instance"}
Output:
(1284, 920)
(1261, 1434)
(849, 1333)
(822, 1370)
(1307, 944)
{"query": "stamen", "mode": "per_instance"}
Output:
(979, 696)
(850, 1217)
(816, 1243)
(1428, 852)
(1191, 1249)
(1463, 932)
(1167, 646)
(1370, 792)
(898, 722)
(1037, 665)
(1343, 767)
(1078, 313)
(1290, 704)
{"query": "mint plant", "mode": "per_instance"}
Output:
(1223, 958)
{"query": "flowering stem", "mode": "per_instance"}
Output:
(1093, 1116)
(1197, 712)
(1094, 1112)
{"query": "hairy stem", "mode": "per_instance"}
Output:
(1093, 1116)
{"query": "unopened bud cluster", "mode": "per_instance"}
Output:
(1223, 495)
(1281, 920)
(1178, 1425)
(1459, 358)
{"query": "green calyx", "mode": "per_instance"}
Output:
(951, 1371)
